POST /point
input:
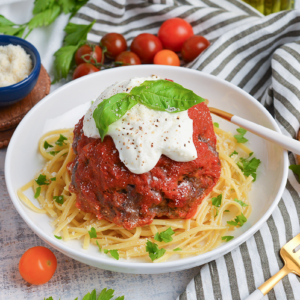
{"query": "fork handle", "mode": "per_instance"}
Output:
(268, 285)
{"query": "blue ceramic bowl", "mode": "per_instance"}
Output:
(16, 92)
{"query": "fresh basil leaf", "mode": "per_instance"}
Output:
(154, 251)
(41, 5)
(87, 297)
(59, 199)
(227, 238)
(45, 18)
(58, 237)
(177, 249)
(240, 137)
(42, 180)
(234, 152)
(114, 254)
(47, 145)
(92, 233)
(106, 294)
(241, 203)
(110, 110)
(216, 125)
(37, 192)
(76, 33)
(217, 201)
(165, 95)
(93, 295)
(238, 221)
(165, 236)
(295, 169)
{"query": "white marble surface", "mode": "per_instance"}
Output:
(71, 279)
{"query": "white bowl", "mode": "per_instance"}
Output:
(23, 160)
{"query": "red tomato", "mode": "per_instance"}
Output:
(84, 69)
(128, 58)
(174, 32)
(113, 44)
(37, 265)
(193, 46)
(88, 52)
(146, 45)
(166, 57)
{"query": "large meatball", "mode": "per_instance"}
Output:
(106, 188)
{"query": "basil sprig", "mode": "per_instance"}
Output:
(162, 95)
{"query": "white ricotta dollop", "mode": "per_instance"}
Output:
(142, 135)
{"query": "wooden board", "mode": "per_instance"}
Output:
(10, 116)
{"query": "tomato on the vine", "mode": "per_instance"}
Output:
(37, 265)
(166, 57)
(113, 44)
(174, 32)
(193, 46)
(128, 58)
(145, 46)
(87, 52)
(84, 69)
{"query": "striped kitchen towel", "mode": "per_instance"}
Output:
(260, 55)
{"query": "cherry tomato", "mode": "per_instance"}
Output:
(174, 32)
(113, 44)
(166, 57)
(84, 69)
(37, 265)
(193, 46)
(88, 52)
(146, 45)
(128, 58)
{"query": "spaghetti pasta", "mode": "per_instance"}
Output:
(194, 236)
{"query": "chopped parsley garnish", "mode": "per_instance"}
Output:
(58, 237)
(226, 210)
(42, 180)
(240, 220)
(241, 203)
(98, 246)
(105, 251)
(114, 254)
(216, 124)
(60, 141)
(53, 179)
(240, 137)
(37, 192)
(53, 152)
(234, 152)
(164, 235)
(227, 238)
(59, 199)
(249, 167)
(154, 251)
(217, 213)
(177, 249)
(47, 145)
(295, 169)
(92, 233)
(217, 201)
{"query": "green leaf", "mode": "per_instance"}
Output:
(87, 297)
(93, 295)
(114, 254)
(216, 125)
(106, 294)
(177, 249)
(249, 167)
(295, 169)
(240, 137)
(50, 298)
(238, 221)
(60, 141)
(98, 246)
(165, 95)
(105, 251)
(5, 22)
(41, 5)
(53, 153)
(78, 6)
(226, 210)
(42, 180)
(110, 110)
(120, 298)
(76, 33)
(217, 213)
(68, 6)
(59, 199)
(47, 145)
(45, 18)
(227, 238)
(37, 192)
(53, 179)
(165, 236)
(241, 203)
(16, 31)
(92, 233)
(217, 201)
(64, 57)
(154, 251)
(233, 153)
(58, 237)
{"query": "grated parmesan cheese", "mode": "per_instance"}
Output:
(15, 65)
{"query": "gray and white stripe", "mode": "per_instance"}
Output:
(262, 56)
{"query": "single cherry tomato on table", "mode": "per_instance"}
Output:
(145, 46)
(174, 32)
(193, 46)
(95, 55)
(84, 69)
(113, 44)
(37, 265)
(166, 57)
(128, 58)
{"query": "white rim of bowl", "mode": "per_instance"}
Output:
(225, 248)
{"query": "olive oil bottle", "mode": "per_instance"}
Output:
(267, 7)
